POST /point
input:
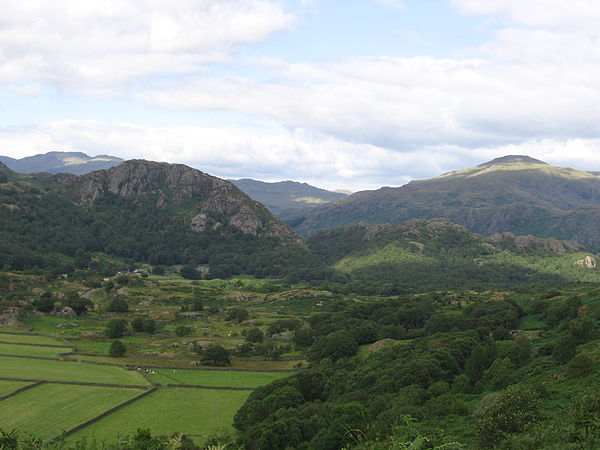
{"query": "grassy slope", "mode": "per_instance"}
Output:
(30, 339)
(215, 378)
(47, 410)
(7, 387)
(195, 412)
(67, 371)
(30, 350)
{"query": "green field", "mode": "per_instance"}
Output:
(30, 339)
(67, 371)
(50, 409)
(194, 412)
(30, 350)
(215, 378)
(6, 387)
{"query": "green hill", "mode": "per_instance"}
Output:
(424, 254)
(141, 211)
(514, 193)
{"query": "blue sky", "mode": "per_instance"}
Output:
(353, 95)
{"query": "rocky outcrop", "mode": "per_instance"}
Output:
(589, 262)
(209, 202)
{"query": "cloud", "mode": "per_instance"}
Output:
(538, 78)
(399, 4)
(98, 47)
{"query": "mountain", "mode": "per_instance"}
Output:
(61, 162)
(142, 211)
(285, 198)
(425, 254)
(513, 193)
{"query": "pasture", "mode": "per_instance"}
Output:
(193, 412)
(35, 369)
(31, 350)
(23, 338)
(8, 387)
(227, 378)
(49, 409)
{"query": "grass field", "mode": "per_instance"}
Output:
(6, 387)
(67, 371)
(50, 409)
(30, 350)
(194, 412)
(215, 378)
(29, 339)
(248, 364)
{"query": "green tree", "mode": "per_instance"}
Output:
(115, 328)
(254, 335)
(45, 303)
(565, 348)
(117, 348)
(510, 412)
(189, 273)
(215, 355)
(580, 365)
(118, 305)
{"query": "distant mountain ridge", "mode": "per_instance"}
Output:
(61, 162)
(515, 193)
(284, 198)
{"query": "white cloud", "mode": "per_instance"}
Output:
(539, 78)
(302, 156)
(98, 47)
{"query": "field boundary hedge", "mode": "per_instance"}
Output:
(21, 389)
(199, 386)
(109, 411)
(70, 357)
(35, 345)
(56, 338)
(75, 383)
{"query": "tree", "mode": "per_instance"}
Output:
(117, 348)
(142, 325)
(254, 335)
(238, 314)
(116, 328)
(45, 303)
(565, 348)
(118, 305)
(215, 355)
(159, 270)
(509, 412)
(189, 273)
(580, 365)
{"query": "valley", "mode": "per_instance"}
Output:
(153, 306)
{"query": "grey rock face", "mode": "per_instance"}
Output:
(210, 202)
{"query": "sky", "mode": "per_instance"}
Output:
(353, 94)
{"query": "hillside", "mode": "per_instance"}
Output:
(61, 162)
(424, 254)
(145, 212)
(286, 198)
(514, 193)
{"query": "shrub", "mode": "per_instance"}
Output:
(579, 366)
(565, 348)
(215, 355)
(118, 305)
(116, 328)
(117, 348)
(509, 412)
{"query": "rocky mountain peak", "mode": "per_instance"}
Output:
(208, 202)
